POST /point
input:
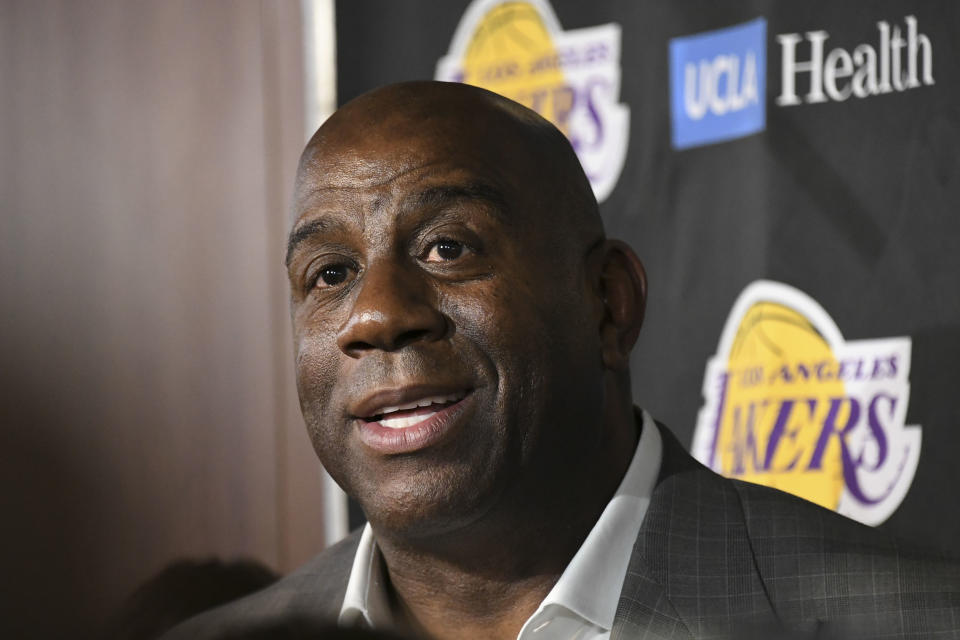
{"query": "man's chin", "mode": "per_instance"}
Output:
(425, 509)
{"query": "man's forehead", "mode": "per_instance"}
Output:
(419, 186)
(399, 168)
(378, 156)
(353, 169)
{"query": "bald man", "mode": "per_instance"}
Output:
(463, 331)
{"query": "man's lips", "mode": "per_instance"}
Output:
(405, 398)
(410, 418)
(407, 415)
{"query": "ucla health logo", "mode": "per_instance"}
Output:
(572, 78)
(717, 84)
(789, 403)
(718, 78)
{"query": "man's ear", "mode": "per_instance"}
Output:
(623, 289)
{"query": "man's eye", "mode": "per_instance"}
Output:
(444, 250)
(332, 275)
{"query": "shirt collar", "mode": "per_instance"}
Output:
(365, 602)
(590, 585)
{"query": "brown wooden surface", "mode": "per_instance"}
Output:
(149, 413)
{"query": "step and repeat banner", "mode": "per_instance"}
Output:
(790, 174)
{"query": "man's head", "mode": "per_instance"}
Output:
(447, 251)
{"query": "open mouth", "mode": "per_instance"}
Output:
(407, 419)
(415, 412)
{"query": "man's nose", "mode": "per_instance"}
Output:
(394, 308)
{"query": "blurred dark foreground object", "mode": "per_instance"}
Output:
(182, 590)
(308, 630)
(188, 587)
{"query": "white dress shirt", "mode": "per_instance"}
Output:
(583, 602)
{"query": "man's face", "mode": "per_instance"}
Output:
(446, 344)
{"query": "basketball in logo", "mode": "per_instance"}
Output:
(511, 52)
(572, 78)
(790, 404)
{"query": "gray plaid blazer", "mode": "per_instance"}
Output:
(714, 558)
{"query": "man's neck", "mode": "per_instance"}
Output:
(434, 600)
(486, 580)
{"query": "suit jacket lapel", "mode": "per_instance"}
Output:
(643, 611)
(692, 571)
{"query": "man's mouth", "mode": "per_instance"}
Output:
(415, 412)
(411, 418)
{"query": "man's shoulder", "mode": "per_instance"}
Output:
(774, 519)
(803, 549)
(809, 563)
(309, 597)
(776, 516)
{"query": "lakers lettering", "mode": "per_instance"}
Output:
(875, 368)
(767, 436)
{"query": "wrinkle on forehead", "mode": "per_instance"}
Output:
(376, 193)
(319, 178)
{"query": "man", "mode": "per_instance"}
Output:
(463, 331)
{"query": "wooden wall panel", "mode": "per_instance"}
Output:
(148, 410)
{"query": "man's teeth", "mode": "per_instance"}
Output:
(401, 422)
(408, 421)
(423, 402)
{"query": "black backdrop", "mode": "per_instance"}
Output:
(855, 202)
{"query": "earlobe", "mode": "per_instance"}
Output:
(623, 291)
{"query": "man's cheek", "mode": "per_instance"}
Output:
(316, 381)
(330, 439)
(317, 355)
(492, 312)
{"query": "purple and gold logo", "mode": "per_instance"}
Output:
(790, 404)
(572, 78)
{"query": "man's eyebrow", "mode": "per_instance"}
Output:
(304, 231)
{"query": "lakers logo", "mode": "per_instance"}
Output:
(792, 405)
(571, 78)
